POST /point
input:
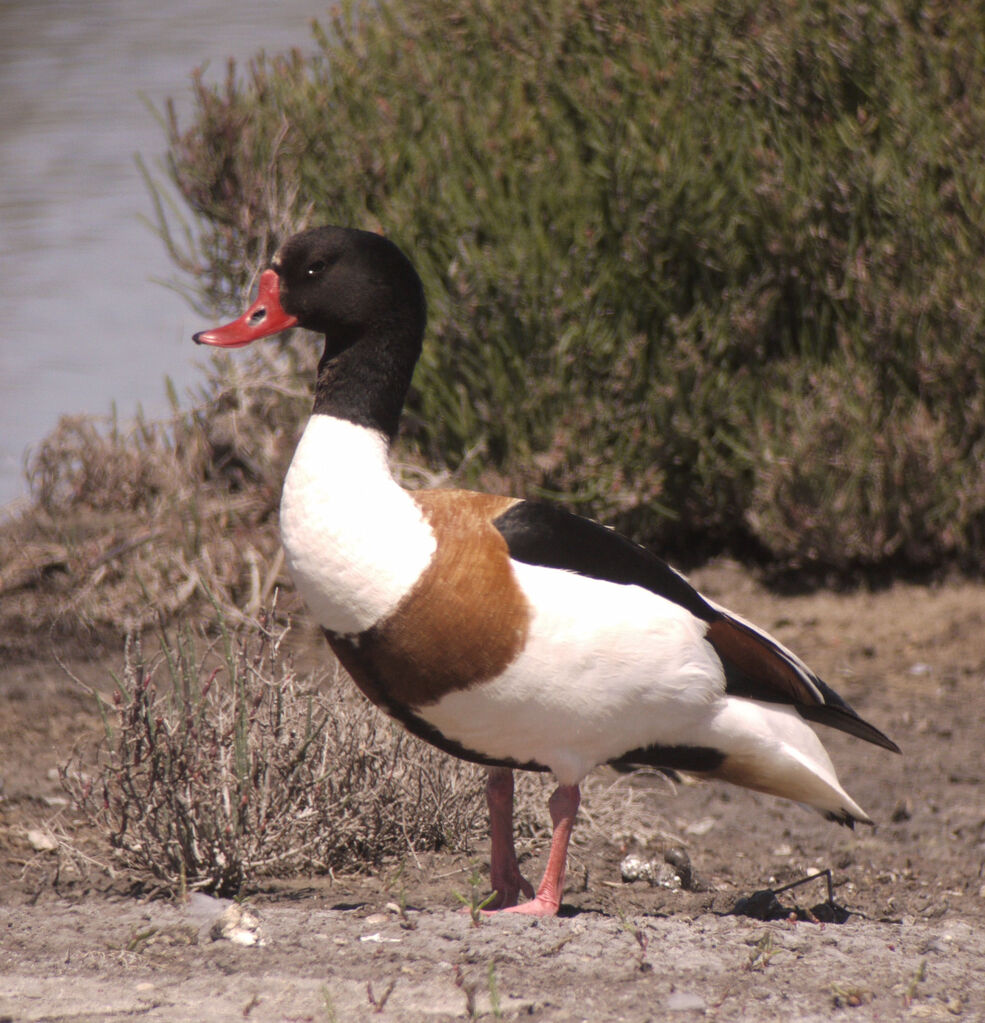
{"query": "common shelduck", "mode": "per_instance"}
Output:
(507, 632)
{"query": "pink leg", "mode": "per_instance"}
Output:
(504, 870)
(563, 806)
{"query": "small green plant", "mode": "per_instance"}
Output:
(474, 902)
(328, 1004)
(762, 952)
(849, 996)
(394, 885)
(494, 1000)
(910, 991)
(139, 939)
(642, 941)
(470, 988)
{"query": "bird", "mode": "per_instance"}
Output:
(509, 632)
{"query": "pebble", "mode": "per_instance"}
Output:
(654, 872)
(237, 924)
(685, 1001)
(378, 939)
(41, 841)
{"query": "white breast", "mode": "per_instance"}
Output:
(355, 542)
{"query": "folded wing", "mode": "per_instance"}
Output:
(756, 666)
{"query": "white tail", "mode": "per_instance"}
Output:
(770, 748)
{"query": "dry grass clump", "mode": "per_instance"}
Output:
(81, 464)
(221, 766)
(130, 526)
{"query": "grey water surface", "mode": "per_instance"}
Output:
(83, 323)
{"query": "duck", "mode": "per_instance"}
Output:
(512, 633)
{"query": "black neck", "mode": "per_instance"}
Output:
(367, 381)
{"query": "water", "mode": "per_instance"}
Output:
(82, 322)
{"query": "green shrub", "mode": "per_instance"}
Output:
(704, 270)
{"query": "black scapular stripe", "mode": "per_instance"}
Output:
(538, 533)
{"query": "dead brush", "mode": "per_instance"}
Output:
(220, 766)
(132, 524)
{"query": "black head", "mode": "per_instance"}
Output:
(345, 283)
(363, 294)
(340, 282)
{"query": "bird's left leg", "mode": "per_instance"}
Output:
(504, 871)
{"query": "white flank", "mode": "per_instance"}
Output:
(355, 541)
(606, 668)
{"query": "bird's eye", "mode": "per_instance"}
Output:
(315, 268)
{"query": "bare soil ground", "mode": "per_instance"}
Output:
(397, 946)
